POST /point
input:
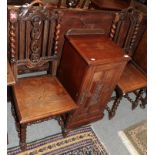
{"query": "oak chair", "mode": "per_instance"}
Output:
(35, 99)
(133, 78)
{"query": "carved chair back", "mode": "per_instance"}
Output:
(125, 29)
(33, 39)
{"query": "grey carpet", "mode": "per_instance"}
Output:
(107, 131)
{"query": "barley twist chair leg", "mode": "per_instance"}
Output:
(144, 100)
(116, 103)
(107, 108)
(138, 99)
(114, 107)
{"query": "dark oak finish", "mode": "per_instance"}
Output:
(89, 70)
(36, 99)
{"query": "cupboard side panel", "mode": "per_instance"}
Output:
(71, 71)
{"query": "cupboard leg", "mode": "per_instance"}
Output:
(115, 105)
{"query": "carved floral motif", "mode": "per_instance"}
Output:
(35, 36)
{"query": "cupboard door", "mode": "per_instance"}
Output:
(102, 84)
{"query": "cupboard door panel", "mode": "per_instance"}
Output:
(101, 85)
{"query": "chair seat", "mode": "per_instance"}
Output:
(41, 97)
(131, 79)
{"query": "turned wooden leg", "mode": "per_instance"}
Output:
(66, 129)
(144, 101)
(23, 136)
(138, 98)
(129, 99)
(115, 105)
(61, 123)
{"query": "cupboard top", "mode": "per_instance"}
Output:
(96, 49)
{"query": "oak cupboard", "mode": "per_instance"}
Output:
(90, 68)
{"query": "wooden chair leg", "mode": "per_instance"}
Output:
(23, 137)
(138, 98)
(61, 123)
(144, 101)
(115, 105)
